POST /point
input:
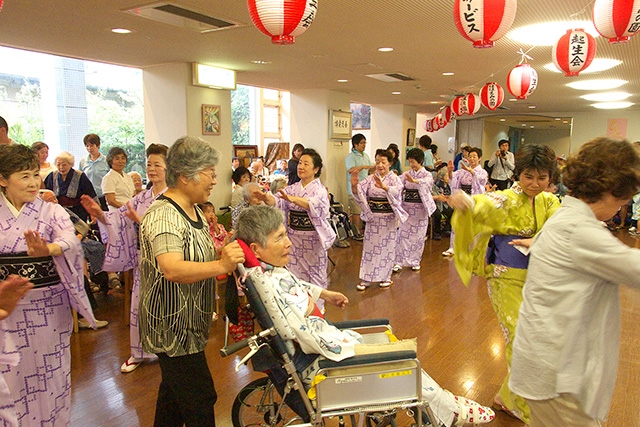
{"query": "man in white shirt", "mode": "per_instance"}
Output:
(503, 163)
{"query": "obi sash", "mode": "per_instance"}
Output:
(379, 205)
(500, 252)
(411, 196)
(300, 221)
(41, 271)
(466, 188)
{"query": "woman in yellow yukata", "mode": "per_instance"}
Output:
(493, 233)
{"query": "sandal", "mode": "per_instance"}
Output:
(471, 412)
(499, 406)
(362, 286)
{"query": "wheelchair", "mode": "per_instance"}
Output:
(378, 389)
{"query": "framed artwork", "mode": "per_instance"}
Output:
(210, 119)
(245, 153)
(339, 124)
(361, 114)
(411, 137)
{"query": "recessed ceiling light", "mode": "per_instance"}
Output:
(548, 33)
(565, 121)
(532, 106)
(343, 81)
(396, 93)
(434, 102)
(558, 118)
(606, 96)
(120, 30)
(512, 99)
(524, 125)
(612, 105)
(260, 62)
(601, 84)
(385, 49)
(503, 120)
(598, 64)
(532, 126)
(448, 74)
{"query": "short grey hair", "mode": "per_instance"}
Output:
(256, 223)
(65, 156)
(189, 156)
(248, 189)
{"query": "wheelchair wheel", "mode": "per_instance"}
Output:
(381, 419)
(257, 404)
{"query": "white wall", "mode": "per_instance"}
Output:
(587, 126)
(558, 139)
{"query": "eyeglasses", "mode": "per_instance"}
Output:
(212, 176)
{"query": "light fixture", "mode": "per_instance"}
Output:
(434, 102)
(558, 118)
(512, 99)
(448, 74)
(606, 96)
(548, 33)
(612, 105)
(532, 106)
(260, 62)
(601, 84)
(396, 93)
(524, 125)
(503, 120)
(385, 49)
(532, 126)
(598, 64)
(120, 31)
(213, 77)
(343, 81)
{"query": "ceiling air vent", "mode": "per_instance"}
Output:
(391, 77)
(179, 16)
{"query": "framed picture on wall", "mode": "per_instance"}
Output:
(210, 119)
(411, 137)
(339, 124)
(245, 153)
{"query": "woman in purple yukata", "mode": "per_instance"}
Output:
(306, 207)
(119, 229)
(380, 198)
(38, 242)
(418, 203)
(470, 178)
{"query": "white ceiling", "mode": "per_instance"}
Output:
(341, 43)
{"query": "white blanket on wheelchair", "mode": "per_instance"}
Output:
(287, 300)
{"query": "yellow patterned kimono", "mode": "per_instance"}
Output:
(500, 213)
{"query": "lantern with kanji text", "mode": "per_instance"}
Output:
(459, 106)
(617, 20)
(492, 95)
(522, 81)
(484, 21)
(282, 20)
(574, 52)
(472, 102)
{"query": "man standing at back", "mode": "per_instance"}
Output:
(503, 163)
(425, 145)
(357, 161)
(95, 166)
(4, 133)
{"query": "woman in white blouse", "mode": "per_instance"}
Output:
(117, 186)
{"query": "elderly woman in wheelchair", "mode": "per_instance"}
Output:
(347, 379)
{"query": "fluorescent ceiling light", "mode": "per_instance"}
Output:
(448, 74)
(343, 81)
(396, 93)
(548, 33)
(602, 84)
(385, 49)
(612, 105)
(606, 96)
(214, 77)
(120, 31)
(598, 64)
(532, 106)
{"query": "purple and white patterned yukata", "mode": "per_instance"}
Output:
(123, 253)
(310, 238)
(470, 184)
(381, 231)
(36, 358)
(418, 203)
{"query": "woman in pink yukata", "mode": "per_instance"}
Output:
(38, 242)
(380, 198)
(119, 229)
(306, 207)
(419, 204)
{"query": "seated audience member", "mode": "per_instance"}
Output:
(217, 230)
(282, 168)
(69, 184)
(248, 199)
(235, 163)
(567, 340)
(240, 177)
(437, 161)
(262, 229)
(42, 152)
(137, 182)
(117, 186)
(440, 193)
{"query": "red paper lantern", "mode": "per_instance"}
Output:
(435, 124)
(428, 126)
(442, 120)
(522, 81)
(484, 21)
(448, 114)
(617, 20)
(458, 106)
(574, 52)
(472, 102)
(492, 95)
(282, 20)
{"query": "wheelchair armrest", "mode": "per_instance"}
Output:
(360, 323)
(366, 359)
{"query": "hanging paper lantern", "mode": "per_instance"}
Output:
(282, 20)
(617, 20)
(458, 106)
(492, 95)
(448, 114)
(435, 124)
(574, 51)
(522, 81)
(484, 21)
(442, 120)
(428, 126)
(472, 102)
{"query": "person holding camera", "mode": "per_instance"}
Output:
(503, 164)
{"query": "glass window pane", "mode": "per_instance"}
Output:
(271, 116)
(270, 94)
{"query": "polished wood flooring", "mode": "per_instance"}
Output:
(460, 344)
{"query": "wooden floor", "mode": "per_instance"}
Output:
(460, 345)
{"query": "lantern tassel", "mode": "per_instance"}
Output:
(524, 55)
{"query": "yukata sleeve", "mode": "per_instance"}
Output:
(121, 238)
(70, 264)
(361, 198)
(479, 181)
(394, 195)
(425, 184)
(319, 214)
(473, 228)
